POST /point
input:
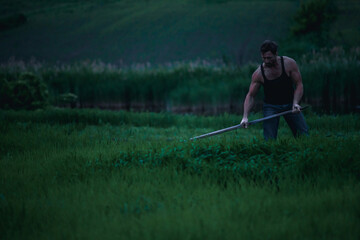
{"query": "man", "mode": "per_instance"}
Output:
(278, 75)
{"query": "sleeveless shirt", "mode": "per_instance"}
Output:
(280, 90)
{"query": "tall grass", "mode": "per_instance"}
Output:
(329, 79)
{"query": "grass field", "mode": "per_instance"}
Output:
(90, 174)
(95, 174)
(156, 31)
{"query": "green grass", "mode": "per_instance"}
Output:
(68, 174)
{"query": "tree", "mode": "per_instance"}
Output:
(314, 19)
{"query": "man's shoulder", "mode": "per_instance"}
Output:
(257, 76)
(289, 62)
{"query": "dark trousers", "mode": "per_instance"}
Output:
(296, 121)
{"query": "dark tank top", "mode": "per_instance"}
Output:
(280, 90)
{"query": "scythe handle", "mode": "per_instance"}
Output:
(241, 125)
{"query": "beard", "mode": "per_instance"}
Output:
(271, 64)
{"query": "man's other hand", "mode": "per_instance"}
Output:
(296, 108)
(244, 122)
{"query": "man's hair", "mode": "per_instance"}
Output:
(268, 45)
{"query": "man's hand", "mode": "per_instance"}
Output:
(296, 108)
(244, 122)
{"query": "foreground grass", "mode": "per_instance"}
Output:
(78, 177)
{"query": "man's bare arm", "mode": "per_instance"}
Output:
(250, 97)
(299, 88)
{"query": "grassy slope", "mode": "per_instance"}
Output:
(140, 31)
(155, 31)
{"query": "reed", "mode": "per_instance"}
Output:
(329, 79)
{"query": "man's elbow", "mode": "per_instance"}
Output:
(299, 86)
(251, 95)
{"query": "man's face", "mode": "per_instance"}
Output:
(269, 58)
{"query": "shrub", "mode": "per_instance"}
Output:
(27, 92)
(68, 99)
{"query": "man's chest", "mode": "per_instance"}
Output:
(272, 73)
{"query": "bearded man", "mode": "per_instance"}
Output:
(283, 89)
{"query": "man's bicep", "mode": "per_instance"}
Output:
(254, 88)
(295, 74)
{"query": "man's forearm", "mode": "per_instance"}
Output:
(248, 104)
(298, 94)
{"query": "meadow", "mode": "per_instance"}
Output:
(91, 174)
(69, 170)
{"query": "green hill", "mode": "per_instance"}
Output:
(155, 31)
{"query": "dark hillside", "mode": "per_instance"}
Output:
(141, 31)
(155, 31)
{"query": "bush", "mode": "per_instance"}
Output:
(68, 99)
(27, 92)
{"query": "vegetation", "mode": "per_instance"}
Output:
(331, 84)
(159, 31)
(94, 174)
(97, 174)
(25, 92)
(315, 17)
(314, 27)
